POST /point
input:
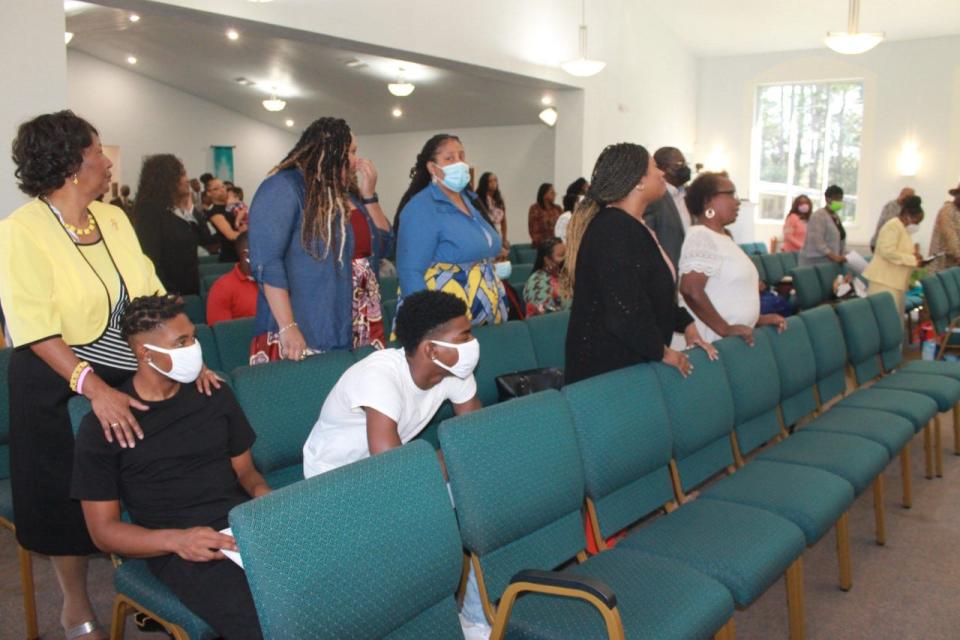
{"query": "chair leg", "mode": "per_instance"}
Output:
(928, 452)
(29, 593)
(726, 632)
(938, 447)
(843, 553)
(905, 475)
(119, 622)
(878, 510)
(795, 605)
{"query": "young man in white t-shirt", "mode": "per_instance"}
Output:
(386, 399)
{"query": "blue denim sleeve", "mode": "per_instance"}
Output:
(417, 242)
(273, 214)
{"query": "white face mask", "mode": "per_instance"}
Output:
(803, 208)
(913, 228)
(468, 355)
(186, 362)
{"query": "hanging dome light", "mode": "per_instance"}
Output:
(851, 41)
(274, 103)
(401, 88)
(582, 66)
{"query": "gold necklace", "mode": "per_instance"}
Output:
(91, 225)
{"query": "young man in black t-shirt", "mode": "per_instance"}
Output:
(179, 483)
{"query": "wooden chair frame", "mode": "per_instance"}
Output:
(26, 585)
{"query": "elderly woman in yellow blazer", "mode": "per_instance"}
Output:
(69, 265)
(896, 255)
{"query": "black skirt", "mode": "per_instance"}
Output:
(48, 521)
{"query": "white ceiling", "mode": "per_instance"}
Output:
(189, 50)
(712, 28)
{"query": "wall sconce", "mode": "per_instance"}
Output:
(908, 160)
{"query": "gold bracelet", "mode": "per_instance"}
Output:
(289, 326)
(75, 376)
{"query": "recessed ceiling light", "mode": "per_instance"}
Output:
(131, 60)
(67, 37)
(397, 112)
(289, 122)
(546, 100)
(246, 82)
(134, 17)
(232, 34)
(355, 63)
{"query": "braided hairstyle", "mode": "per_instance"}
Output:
(146, 313)
(322, 154)
(619, 169)
(419, 176)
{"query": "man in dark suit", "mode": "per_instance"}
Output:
(668, 216)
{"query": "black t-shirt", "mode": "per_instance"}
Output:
(179, 475)
(228, 253)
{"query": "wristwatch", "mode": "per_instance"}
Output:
(372, 200)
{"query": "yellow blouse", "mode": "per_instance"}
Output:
(47, 287)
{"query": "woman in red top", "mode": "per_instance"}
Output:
(542, 217)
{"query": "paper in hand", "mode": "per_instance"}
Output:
(233, 556)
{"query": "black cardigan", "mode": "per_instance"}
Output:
(171, 243)
(624, 300)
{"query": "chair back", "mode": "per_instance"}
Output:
(504, 348)
(773, 267)
(519, 274)
(797, 367)
(789, 260)
(548, 332)
(829, 351)
(369, 550)
(938, 304)
(807, 285)
(214, 268)
(389, 287)
(758, 263)
(862, 335)
(211, 352)
(827, 275)
(891, 329)
(952, 290)
(233, 342)
(193, 307)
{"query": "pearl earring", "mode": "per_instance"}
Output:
(709, 213)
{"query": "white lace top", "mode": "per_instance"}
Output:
(733, 284)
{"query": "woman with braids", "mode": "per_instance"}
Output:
(624, 286)
(69, 266)
(488, 191)
(444, 241)
(168, 237)
(315, 249)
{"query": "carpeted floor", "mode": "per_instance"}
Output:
(904, 590)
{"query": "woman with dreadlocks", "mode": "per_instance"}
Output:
(624, 286)
(315, 249)
(444, 241)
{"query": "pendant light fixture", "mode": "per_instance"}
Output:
(401, 88)
(549, 116)
(274, 103)
(582, 66)
(851, 41)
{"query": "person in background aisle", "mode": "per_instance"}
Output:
(542, 292)
(69, 266)
(123, 200)
(896, 256)
(668, 217)
(826, 239)
(795, 226)
(305, 231)
(196, 191)
(890, 211)
(234, 294)
(488, 191)
(224, 220)
(946, 234)
(543, 214)
(236, 207)
(623, 283)
(443, 241)
(571, 198)
(167, 238)
(719, 283)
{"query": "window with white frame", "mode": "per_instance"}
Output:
(807, 137)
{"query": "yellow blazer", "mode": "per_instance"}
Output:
(893, 261)
(48, 288)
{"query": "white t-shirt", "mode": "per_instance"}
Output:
(733, 284)
(560, 228)
(382, 382)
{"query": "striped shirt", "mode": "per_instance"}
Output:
(111, 349)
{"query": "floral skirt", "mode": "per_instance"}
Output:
(367, 319)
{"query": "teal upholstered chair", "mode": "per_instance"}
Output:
(807, 285)
(525, 255)
(518, 486)
(6, 503)
(938, 305)
(211, 353)
(758, 263)
(864, 346)
(504, 348)
(548, 332)
(214, 268)
(389, 309)
(788, 260)
(233, 342)
(322, 562)
(519, 274)
(206, 283)
(522, 249)
(282, 401)
(760, 248)
(827, 275)
(388, 287)
(193, 307)
(773, 268)
(952, 289)
(208, 259)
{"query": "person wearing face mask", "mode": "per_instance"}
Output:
(444, 241)
(668, 217)
(945, 240)
(890, 211)
(543, 214)
(234, 294)
(795, 226)
(178, 485)
(315, 247)
(718, 281)
(624, 284)
(574, 194)
(542, 292)
(386, 399)
(896, 256)
(826, 237)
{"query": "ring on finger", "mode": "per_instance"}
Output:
(114, 425)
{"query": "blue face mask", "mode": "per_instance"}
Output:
(456, 176)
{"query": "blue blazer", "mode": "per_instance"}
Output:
(321, 289)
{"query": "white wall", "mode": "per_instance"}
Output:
(143, 117)
(911, 90)
(522, 157)
(34, 77)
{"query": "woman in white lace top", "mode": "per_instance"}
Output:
(718, 281)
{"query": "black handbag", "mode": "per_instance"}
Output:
(523, 383)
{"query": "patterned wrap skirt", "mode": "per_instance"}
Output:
(478, 286)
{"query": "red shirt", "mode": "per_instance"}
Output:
(232, 296)
(362, 245)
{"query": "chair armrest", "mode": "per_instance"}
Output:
(564, 580)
